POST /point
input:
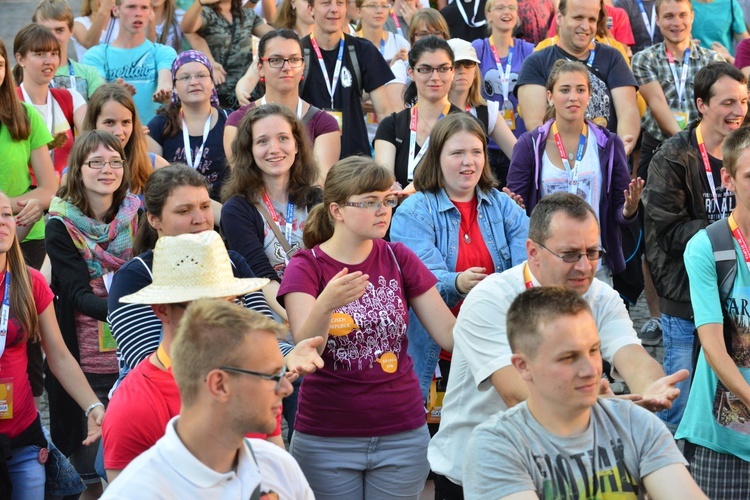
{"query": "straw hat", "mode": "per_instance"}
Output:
(463, 50)
(191, 267)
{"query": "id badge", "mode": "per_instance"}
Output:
(371, 118)
(682, 119)
(509, 114)
(107, 342)
(339, 116)
(6, 398)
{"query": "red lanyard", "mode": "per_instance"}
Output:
(737, 232)
(707, 167)
(397, 23)
(414, 160)
(504, 74)
(572, 172)
(527, 277)
(336, 69)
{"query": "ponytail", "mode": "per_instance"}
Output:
(319, 226)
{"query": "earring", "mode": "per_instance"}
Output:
(262, 79)
(301, 77)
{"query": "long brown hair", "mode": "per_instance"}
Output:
(33, 38)
(23, 307)
(350, 176)
(136, 150)
(74, 191)
(561, 67)
(170, 24)
(429, 175)
(246, 179)
(12, 113)
(286, 16)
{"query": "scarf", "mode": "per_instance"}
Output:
(104, 246)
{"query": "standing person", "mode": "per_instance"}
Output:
(231, 379)
(466, 19)
(38, 55)
(534, 20)
(455, 184)
(227, 28)
(280, 66)
(31, 319)
(269, 193)
(112, 110)
(294, 15)
(89, 236)
(722, 25)
(403, 138)
(466, 94)
(340, 68)
(167, 23)
(139, 62)
(354, 289)
(683, 195)
(97, 24)
(544, 163)
(714, 425)
(426, 22)
(642, 15)
(538, 449)
(190, 129)
(57, 16)
(613, 104)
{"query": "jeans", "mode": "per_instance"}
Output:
(27, 474)
(678, 354)
(384, 467)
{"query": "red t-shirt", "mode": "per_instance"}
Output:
(138, 414)
(14, 360)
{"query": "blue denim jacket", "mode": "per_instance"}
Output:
(428, 223)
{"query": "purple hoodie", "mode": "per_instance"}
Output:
(525, 174)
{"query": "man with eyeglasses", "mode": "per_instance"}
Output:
(133, 59)
(231, 379)
(185, 268)
(563, 250)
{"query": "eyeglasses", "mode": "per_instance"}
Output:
(373, 205)
(573, 257)
(187, 78)
(502, 8)
(465, 64)
(278, 62)
(383, 6)
(422, 34)
(428, 70)
(276, 377)
(99, 164)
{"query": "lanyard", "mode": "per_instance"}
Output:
(527, 277)
(650, 25)
(738, 236)
(473, 23)
(186, 141)
(592, 55)
(336, 70)
(72, 74)
(163, 357)
(299, 105)
(49, 117)
(504, 74)
(679, 82)
(383, 39)
(397, 22)
(5, 315)
(707, 167)
(572, 172)
(275, 216)
(414, 160)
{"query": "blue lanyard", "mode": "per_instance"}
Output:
(289, 221)
(5, 315)
(592, 55)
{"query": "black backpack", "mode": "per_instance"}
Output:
(357, 72)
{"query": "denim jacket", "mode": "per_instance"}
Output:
(428, 223)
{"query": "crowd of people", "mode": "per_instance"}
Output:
(410, 233)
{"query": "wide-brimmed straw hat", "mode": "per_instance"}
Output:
(191, 267)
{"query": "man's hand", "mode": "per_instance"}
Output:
(304, 358)
(660, 395)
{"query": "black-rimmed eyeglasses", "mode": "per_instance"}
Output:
(276, 377)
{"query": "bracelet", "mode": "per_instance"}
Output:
(91, 408)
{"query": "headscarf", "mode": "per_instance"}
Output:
(193, 56)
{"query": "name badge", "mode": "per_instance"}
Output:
(509, 114)
(339, 116)
(6, 398)
(682, 119)
(107, 342)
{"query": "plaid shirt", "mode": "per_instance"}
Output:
(651, 64)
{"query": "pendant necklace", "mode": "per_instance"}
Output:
(467, 238)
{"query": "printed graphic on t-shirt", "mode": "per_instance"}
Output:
(726, 203)
(380, 317)
(493, 86)
(586, 186)
(204, 167)
(599, 103)
(571, 476)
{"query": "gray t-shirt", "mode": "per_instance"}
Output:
(512, 452)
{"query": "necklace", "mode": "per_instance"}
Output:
(467, 228)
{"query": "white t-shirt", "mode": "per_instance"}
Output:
(108, 34)
(393, 44)
(493, 108)
(168, 470)
(481, 348)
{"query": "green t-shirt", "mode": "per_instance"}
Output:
(15, 178)
(87, 78)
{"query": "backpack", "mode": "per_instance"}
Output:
(64, 99)
(357, 72)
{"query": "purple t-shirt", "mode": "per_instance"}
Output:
(367, 386)
(742, 59)
(492, 89)
(320, 123)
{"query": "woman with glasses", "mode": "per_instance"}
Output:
(280, 66)
(190, 129)
(403, 138)
(466, 93)
(89, 235)
(425, 22)
(360, 430)
(570, 153)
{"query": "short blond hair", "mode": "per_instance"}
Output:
(208, 336)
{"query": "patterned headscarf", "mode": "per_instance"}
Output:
(193, 56)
